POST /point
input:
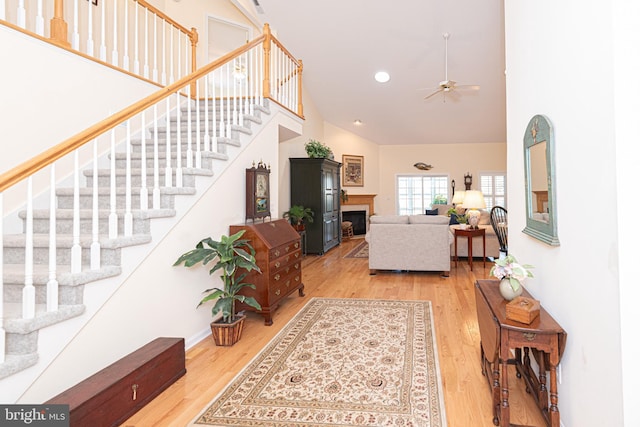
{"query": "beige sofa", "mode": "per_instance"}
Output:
(409, 242)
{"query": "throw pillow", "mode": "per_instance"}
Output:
(453, 220)
(432, 212)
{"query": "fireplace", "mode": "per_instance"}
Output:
(358, 220)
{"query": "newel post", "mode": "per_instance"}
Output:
(266, 48)
(193, 36)
(59, 25)
(300, 109)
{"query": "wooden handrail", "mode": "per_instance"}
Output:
(20, 172)
(163, 16)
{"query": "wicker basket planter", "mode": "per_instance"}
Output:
(227, 334)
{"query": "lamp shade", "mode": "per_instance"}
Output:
(473, 199)
(458, 197)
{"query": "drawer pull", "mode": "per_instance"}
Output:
(134, 388)
(288, 283)
(278, 264)
(297, 279)
(529, 336)
(276, 277)
(296, 245)
(277, 253)
(297, 266)
(297, 254)
(287, 249)
(278, 292)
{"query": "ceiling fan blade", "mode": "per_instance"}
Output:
(468, 87)
(433, 93)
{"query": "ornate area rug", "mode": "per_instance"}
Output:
(340, 362)
(360, 251)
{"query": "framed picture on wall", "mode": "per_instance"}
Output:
(352, 171)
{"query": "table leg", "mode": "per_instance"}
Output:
(484, 250)
(504, 378)
(554, 413)
(455, 239)
(470, 251)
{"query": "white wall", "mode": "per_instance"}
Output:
(560, 62)
(54, 87)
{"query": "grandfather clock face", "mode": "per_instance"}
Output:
(467, 182)
(257, 199)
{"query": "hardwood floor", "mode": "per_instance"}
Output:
(466, 393)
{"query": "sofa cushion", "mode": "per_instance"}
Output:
(428, 219)
(442, 209)
(453, 220)
(389, 219)
(431, 212)
(485, 218)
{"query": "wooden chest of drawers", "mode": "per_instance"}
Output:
(112, 395)
(279, 256)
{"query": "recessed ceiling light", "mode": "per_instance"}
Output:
(357, 122)
(382, 76)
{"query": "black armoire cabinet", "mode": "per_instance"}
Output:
(315, 184)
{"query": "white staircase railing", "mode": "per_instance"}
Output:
(162, 141)
(128, 34)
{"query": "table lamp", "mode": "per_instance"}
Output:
(458, 198)
(473, 200)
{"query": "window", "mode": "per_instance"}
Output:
(494, 188)
(416, 193)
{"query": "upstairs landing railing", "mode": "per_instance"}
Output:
(131, 35)
(165, 136)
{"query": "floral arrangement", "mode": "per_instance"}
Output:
(509, 268)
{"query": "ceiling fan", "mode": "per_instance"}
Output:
(448, 86)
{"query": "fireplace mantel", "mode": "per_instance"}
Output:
(360, 199)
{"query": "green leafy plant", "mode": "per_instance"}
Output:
(231, 254)
(298, 214)
(439, 200)
(317, 150)
(344, 196)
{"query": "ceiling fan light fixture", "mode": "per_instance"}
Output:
(382, 77)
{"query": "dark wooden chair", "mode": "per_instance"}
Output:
(498, 217)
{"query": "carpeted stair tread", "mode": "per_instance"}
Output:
(17, 362)
(14, 274)
(102, 213)
(66, 241)
(121, 191)
(13, 323)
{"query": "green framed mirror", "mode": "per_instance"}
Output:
(540, 180)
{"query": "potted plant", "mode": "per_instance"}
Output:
(231, 254)
(511, 275)
(298, 215)
(317, 150)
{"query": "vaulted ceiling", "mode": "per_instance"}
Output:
(343, 43)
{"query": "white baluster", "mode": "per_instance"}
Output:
(189, 130)
(3, 333)
(136, 49)
(75, 36)
(125, 41)
(178, 142)
(29, 291)
(144, 191)
(247, 72)
(179, 58)
(234, 82)
(155, 48)
(90, 31)
(164, 54)
(103, 31)
(229, 116)
(22, 15)
(171, 75)
(168, 172)
(156, 160)
(214, 132)
(76, 249)
(128, 215)
(146, 43)
(95, 218)
(113, 215)
(3, 15)
(198, 141)
(52, 283)
(114, 53)
(207, 137)
(39, 19)
(222, 129)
